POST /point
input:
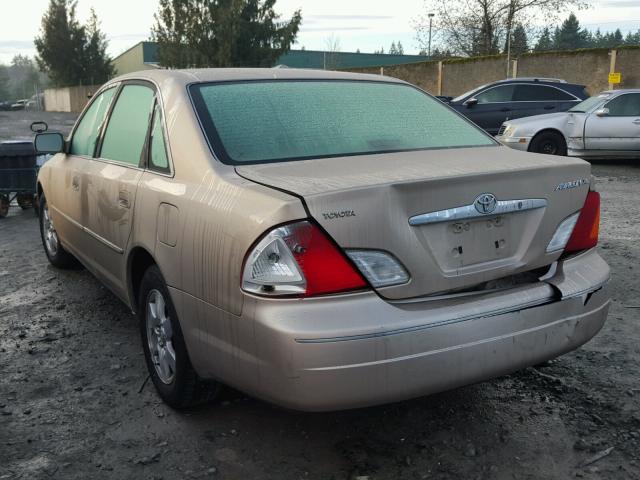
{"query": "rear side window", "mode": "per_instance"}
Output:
(627, 105)
(157, 150)
(503, 93)
(128, 125)
(253, 122)
(540, 93)
(86, 134)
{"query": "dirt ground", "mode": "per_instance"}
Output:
(74, 405)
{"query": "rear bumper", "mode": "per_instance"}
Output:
(356, 350)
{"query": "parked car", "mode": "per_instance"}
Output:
(19, 104)
(490, 105)
(4, 106)
(604, 126)
(321, 240)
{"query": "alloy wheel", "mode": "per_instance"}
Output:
(160, 337)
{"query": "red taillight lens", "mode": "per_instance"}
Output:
(299, 259)
(585, 233)
(323, 264)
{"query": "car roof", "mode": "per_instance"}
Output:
(188, 76)
(532, 79)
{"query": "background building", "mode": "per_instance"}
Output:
(144, 56)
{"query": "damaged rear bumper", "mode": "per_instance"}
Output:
(356, 350)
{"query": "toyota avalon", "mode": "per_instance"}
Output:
(321, 240)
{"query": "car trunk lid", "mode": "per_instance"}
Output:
(450, 244)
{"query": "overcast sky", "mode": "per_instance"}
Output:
(357, 24)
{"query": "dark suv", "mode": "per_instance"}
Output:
(490, 105)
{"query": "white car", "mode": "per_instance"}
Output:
(604, 126)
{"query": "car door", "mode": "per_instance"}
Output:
(112, 180)
(533, 99)
(68, 194)
(492, 108)
(617, 130)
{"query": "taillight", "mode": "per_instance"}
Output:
(580, 230)
(585, 233)
(298, 259)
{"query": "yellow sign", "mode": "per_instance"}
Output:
(615, 77)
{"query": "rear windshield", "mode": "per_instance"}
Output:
(283, 120)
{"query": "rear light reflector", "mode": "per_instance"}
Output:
(298, 259)
(381, 268)
(563, 232)
(585, 234)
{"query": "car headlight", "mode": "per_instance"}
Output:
(509, 131)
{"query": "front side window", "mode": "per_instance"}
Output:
(158, 159)
(264, 121)
(627, 105)
(503, 93)
(540, 93)
(127, 128)
(86, 134)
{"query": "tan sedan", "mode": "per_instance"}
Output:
(321, 240)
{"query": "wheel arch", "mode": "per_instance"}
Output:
(140, 259)
(547, 130)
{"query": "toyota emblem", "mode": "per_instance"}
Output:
(485, 203)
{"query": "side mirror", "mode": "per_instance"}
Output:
(51, 143)
(602, 112)
(471, 102)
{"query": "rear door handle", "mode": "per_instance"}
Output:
(549, 107)
(123, 199)
(637, 121)
(505, 109)
(75, 183)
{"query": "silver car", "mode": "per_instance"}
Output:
(604, 126)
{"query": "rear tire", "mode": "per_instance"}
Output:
(165, 352)
(57, 255)
(549, 143)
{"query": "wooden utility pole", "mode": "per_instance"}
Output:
(612, 65)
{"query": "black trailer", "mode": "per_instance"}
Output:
(19, 165)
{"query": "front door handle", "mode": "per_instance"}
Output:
(123, 199)
(549, 107)
(75, 183)
(637, 121)
(505, 109)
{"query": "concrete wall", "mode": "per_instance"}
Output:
(584, 67)
(462, 75)
(68, 99)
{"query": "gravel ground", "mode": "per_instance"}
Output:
(74, 403)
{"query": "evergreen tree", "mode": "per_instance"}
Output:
(598, 39)
(98, 66)
(69, 52)
(61, 44)
(570, 36)
(519, 41)
(5, 93)
(618, 39)
(222, 33)
(392, 49)
(400, 48)
(544, 42)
